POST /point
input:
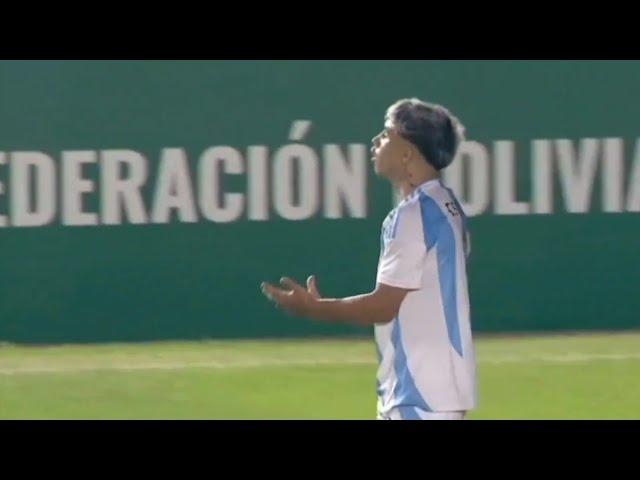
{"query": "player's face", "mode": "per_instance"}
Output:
(388, 150)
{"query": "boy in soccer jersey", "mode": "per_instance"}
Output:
(420, 306)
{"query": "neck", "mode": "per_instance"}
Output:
(406, 187)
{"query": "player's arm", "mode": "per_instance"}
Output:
(400, 271)
(377, 307)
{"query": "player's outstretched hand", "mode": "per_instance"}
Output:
(293, 298)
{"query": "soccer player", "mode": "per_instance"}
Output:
(420, 305)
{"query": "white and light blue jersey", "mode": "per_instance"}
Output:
(426, 355)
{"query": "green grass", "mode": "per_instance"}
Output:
(527, 377)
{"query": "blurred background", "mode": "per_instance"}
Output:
(143, 202)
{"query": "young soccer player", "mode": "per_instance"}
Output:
(420, 306)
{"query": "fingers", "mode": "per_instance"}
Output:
(272, 293)
(291, 284)
(290, 297)
(312, 287)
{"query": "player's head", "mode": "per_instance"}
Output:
(416, 135)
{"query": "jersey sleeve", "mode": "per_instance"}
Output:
(402, 261)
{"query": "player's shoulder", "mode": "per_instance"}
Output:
(425, 204)
(434, 191)
(410, 207)
(433, 198)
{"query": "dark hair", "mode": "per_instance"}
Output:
(434, 131)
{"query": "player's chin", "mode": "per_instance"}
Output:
(377, 168)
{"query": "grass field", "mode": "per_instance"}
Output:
(528, 377)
